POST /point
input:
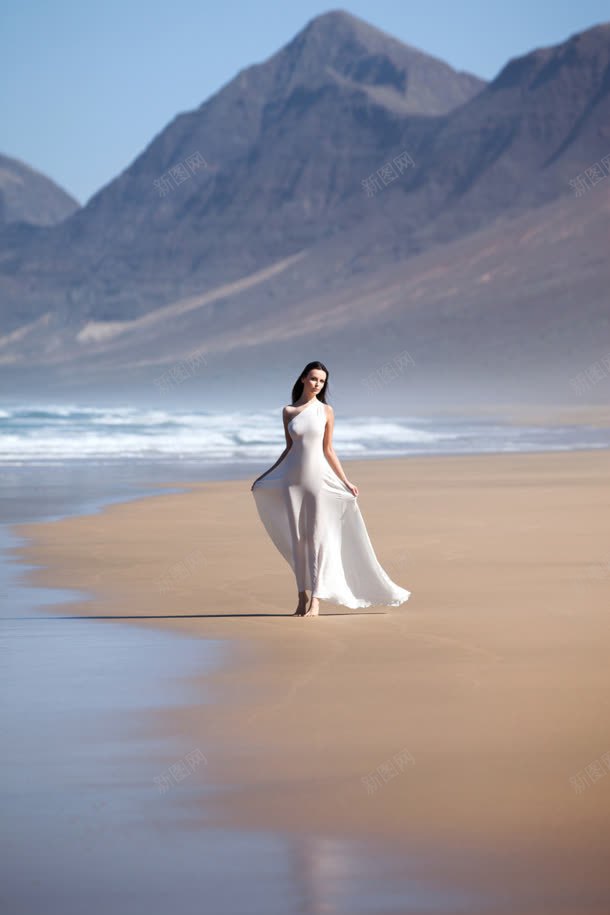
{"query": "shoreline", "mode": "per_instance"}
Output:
(32, 536)
(493, 675)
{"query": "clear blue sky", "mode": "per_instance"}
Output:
(85, 86)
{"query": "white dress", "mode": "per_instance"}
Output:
(315, 522)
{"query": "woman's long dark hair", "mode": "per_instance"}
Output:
(297, 388)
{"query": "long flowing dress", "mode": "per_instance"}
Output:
(316, 524)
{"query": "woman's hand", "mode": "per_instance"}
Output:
(353, 489)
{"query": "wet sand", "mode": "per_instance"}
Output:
(475, 717)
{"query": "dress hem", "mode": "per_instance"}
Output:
(361, 604)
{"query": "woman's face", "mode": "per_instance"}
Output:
(314, 382)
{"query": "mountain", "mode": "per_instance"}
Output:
(283, 144)
(29, 197)
(515, 310)
(274, 247)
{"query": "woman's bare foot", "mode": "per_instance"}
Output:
(302, 604)
(314, 607)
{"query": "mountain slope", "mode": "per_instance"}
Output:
(517, 310)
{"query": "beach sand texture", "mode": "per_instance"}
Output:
(475, 715)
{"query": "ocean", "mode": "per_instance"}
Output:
(32, 434)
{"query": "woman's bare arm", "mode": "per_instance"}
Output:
(330, 453)
(286, 420)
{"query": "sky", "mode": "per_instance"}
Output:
(86, 86)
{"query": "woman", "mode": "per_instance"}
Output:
(309, 509)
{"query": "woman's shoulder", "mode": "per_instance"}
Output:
(290, 409)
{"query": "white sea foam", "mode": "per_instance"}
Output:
(35, 433)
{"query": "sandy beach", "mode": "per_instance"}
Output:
(474, 716)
